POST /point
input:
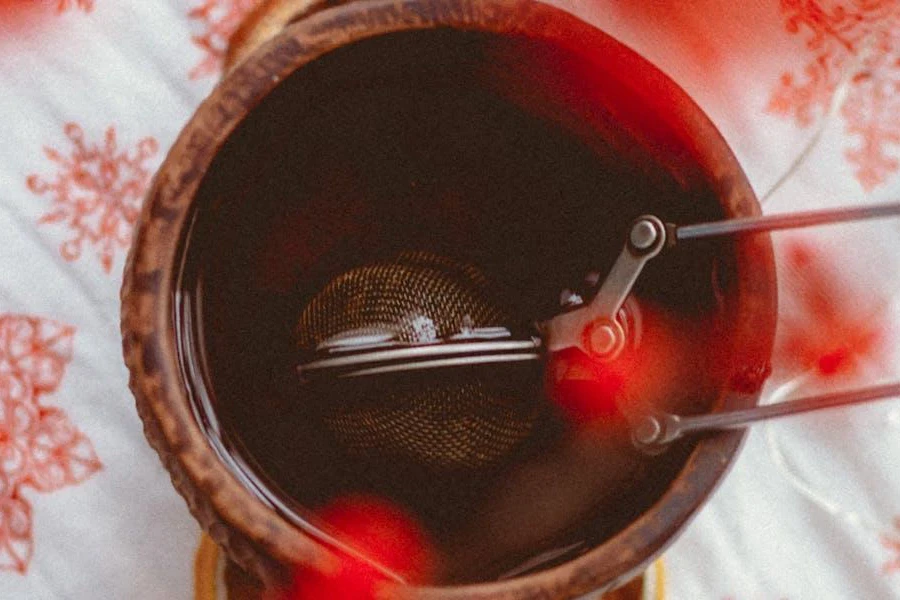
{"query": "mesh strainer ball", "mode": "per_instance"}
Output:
(461, 420)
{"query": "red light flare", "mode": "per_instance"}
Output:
(837, 325)
(589, 391)
(591, 469)
(685, 26)
(706, 37)
(380, 530)
(15, 14)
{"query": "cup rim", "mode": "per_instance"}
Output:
(256, 535)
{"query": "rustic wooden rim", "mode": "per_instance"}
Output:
(256, 536)
(266, 21)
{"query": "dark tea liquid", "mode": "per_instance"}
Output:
(435, 142)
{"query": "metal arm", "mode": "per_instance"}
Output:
(595, 328)
(655, 431)
(796, 220)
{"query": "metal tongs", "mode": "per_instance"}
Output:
(594, 328)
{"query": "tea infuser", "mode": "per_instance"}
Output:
(597, 329)
(407, 313)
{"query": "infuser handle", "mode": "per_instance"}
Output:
(797, 220)
(655, 431)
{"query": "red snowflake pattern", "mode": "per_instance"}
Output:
(218, 19)
(891, 542)
(39, 447)
(863, 35)
(97, 192)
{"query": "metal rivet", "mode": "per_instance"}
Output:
(643, 235)
(603, 339)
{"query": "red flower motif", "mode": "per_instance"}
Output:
(219, 19)
(18, 415)
(97, 192)
(834, 327)
(59, 454)
(39, 447)
(16, 542)
(35, 350)
(837, 33)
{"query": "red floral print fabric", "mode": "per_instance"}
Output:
(861, 37)
(40, 448)
(97, 192)
(218, 20)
